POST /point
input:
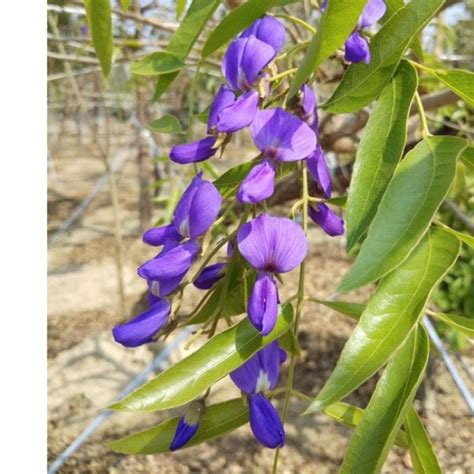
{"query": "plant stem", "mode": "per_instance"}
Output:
(297, 21)
(299, 308)
(425, 131)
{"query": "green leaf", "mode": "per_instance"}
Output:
(157, 63)
(362, 83)
(180, 6)
(336, 24)
(100, 23)
(391, 313)
(461, 323)
(467, 239)
(379, 152)
(419, 185)
(422, 455)
(234, 22)
(289, 343)
(461, 82)
(228, 183)
(166, 124)
(467, 158)
(216, 420)
(353, 310)
(350, 416)
(374, 436)
(339, 201)
(185, 36)
(125, 5)
(188, 378)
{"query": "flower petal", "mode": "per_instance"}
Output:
(223, 99)
(281, 135)
(210, 276)
(319, 170)
(157, 236)
(373, 11)
(244, 60)
(258, 185)
(306, 108)
(265, 422)
(184, 432)
(199, 150)
(263, 304)
(331, 223)
(171, 263)
(357, 49)
(162, 288)
(272, 244)
(141, 329)
(240, 114)
(269, 30)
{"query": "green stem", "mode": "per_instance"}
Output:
(288, 72)
(299, 309)
(297, 21)
(425, 131)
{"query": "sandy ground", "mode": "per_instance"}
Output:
(87, 369)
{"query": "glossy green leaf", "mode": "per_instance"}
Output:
(188, 378)
(217, 420)
(467, 239)
(100, 23)
(374, 436)
(350, 416)
(362, 83)
(339, 201)
(390, 315)
(180, 6)
(419, 185)
(461, 82)
(461, 323)
(228, 183)
(157, 63)
(166, 124)
(185, 36)
(353, 310)
(422, 454)
(379, 152)
(337, 23)
(234, 22)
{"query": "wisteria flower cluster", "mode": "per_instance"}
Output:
(270, 245)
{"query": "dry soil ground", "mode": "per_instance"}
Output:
(87, 369)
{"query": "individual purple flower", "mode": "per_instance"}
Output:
(230, 113)
(210, 276)
(187, 426)
(244, 60)
(269, 30)
(330, 222)
(306, 107)
(280, 136)
(357, 47)
(258, 374)
(194, 152)
(142, 328)
(271, 245)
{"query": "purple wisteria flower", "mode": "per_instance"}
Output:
(271, 245)
(143, 328)
(329, 221)
(188, 425)
(194, 152)
(210, 276)
(357, 47)
(258, 374)
(280, 136)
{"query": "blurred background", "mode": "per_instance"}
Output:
(109, 179)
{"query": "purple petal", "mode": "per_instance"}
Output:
(141, 329)
(373, 11)
(258, 185)
(265, 422)
(324, 5)
(269, 30)
(331, 223)
(260, 372)
(198, 208)
(223, 99)
(184, 432)
(210, 276)
(281, 135)
(272, 244)
(357, 49)
(319, 170)
(244, 60)
(193, 152)
(306, 108)
(240, 114)
(172, 263)
(263, 304)
(162, 288)
(160, 235)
